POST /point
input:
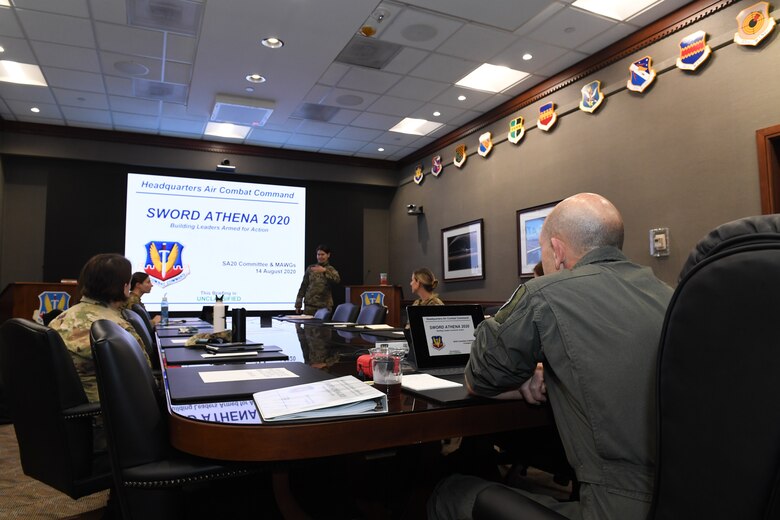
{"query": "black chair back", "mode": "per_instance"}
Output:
(345, 313)
(144, 314)
(136, 429)
(143, 332)
(718, 384)
(51, 414)
(372, 314)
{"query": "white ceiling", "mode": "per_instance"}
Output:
(77, 44)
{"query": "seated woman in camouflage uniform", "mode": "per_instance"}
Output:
(423, 284)
(315, 291)
(104, 283)
(140, 284)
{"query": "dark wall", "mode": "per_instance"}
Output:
(85, 213)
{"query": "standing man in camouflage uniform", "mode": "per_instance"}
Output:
(105, 283)
(315, 291)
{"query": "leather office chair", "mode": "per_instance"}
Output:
(718, 385)
(372, 314)
(50, 411)
(150, 345)
(149, 474)
(718, 420)
(322, 314)
(144, 314)
(345, 313)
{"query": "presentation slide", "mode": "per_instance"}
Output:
(200, 238)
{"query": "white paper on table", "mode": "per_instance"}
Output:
(426, 382)
(250, 374)
(248, 353)
(331, 398)
(380, 326)
(178, 341)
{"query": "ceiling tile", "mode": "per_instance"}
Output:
(110, 60)
(476, 43)
(129, 40)
(86, 115)
(376, 121)
(112, 12)
(406, 60)
(73, 79)
(420, 29)
(134, 105)
(419, 89)
(182, 126)
(396, 139)
(135, 121)
(334, 73)
(542, 54)
(69, 7)
(606, 38)
(504, 14)
(66, 56)
(56, 28)
(79, 99)
(450, 97)
(349, 145)
(426, 112)
(368, 80)
(344, 117)
(312, 141)
(120, 86)
(8, 24)
(95, 125)
(259, 135)
(444, 68)
(17, 49)
(372, 149)
(319, 128)
(12, 91)
(562, 63)
(339, 97)
(393, 106)
(41, 120)
(22, 109)
(177, 73)
(181, 48)
(571, 28)
(359, 134)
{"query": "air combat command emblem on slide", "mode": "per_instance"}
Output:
(164, 263)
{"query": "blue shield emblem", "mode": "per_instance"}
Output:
(369, 297)
(693, 51)
(591, 97)
(436, 166)
(642, 74)
(50, 300)
(163, 263)
(485, 144)
(547, 117)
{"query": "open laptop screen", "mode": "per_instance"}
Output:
(442, 334)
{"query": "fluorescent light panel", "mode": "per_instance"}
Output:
(228, 130)
(616, 9)
(21, 73)
(415, 126)
(492, 78)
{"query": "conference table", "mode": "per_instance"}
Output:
(231, 430)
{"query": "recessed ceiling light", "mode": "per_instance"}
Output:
(616, 9)
(250, 89)
(35, 109)
(436, 114)
(133, 68)
(272, 43)
(461, 98)
(415, 126)
(527, 56)
(2, 49)
(380, 149)
(255, 78)
(492, 78)
(227, 130)
(6, 3)
(21, 73)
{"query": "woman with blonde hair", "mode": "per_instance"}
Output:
(423, 284)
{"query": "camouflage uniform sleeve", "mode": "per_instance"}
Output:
(332, 275)
(302, 289)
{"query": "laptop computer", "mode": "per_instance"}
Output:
(440, 338)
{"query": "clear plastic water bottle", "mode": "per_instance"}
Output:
(164, 310)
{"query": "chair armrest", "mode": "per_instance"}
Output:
(498, 502)
(82, 410)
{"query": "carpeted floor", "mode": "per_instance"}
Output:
(23, 497)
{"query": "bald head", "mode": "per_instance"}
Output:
(582, 223)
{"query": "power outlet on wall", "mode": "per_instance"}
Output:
(659, 242)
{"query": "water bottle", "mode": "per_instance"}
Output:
(164, 310)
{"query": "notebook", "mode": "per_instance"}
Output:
(440, 338)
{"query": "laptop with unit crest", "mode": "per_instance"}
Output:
(440, 338)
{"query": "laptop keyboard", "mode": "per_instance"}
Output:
(446, 371)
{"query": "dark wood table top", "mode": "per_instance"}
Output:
(232, 430)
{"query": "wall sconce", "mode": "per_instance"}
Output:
(412, 209)
(225, 166)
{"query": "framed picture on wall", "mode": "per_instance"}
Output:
(529, 227)
(463, 252)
